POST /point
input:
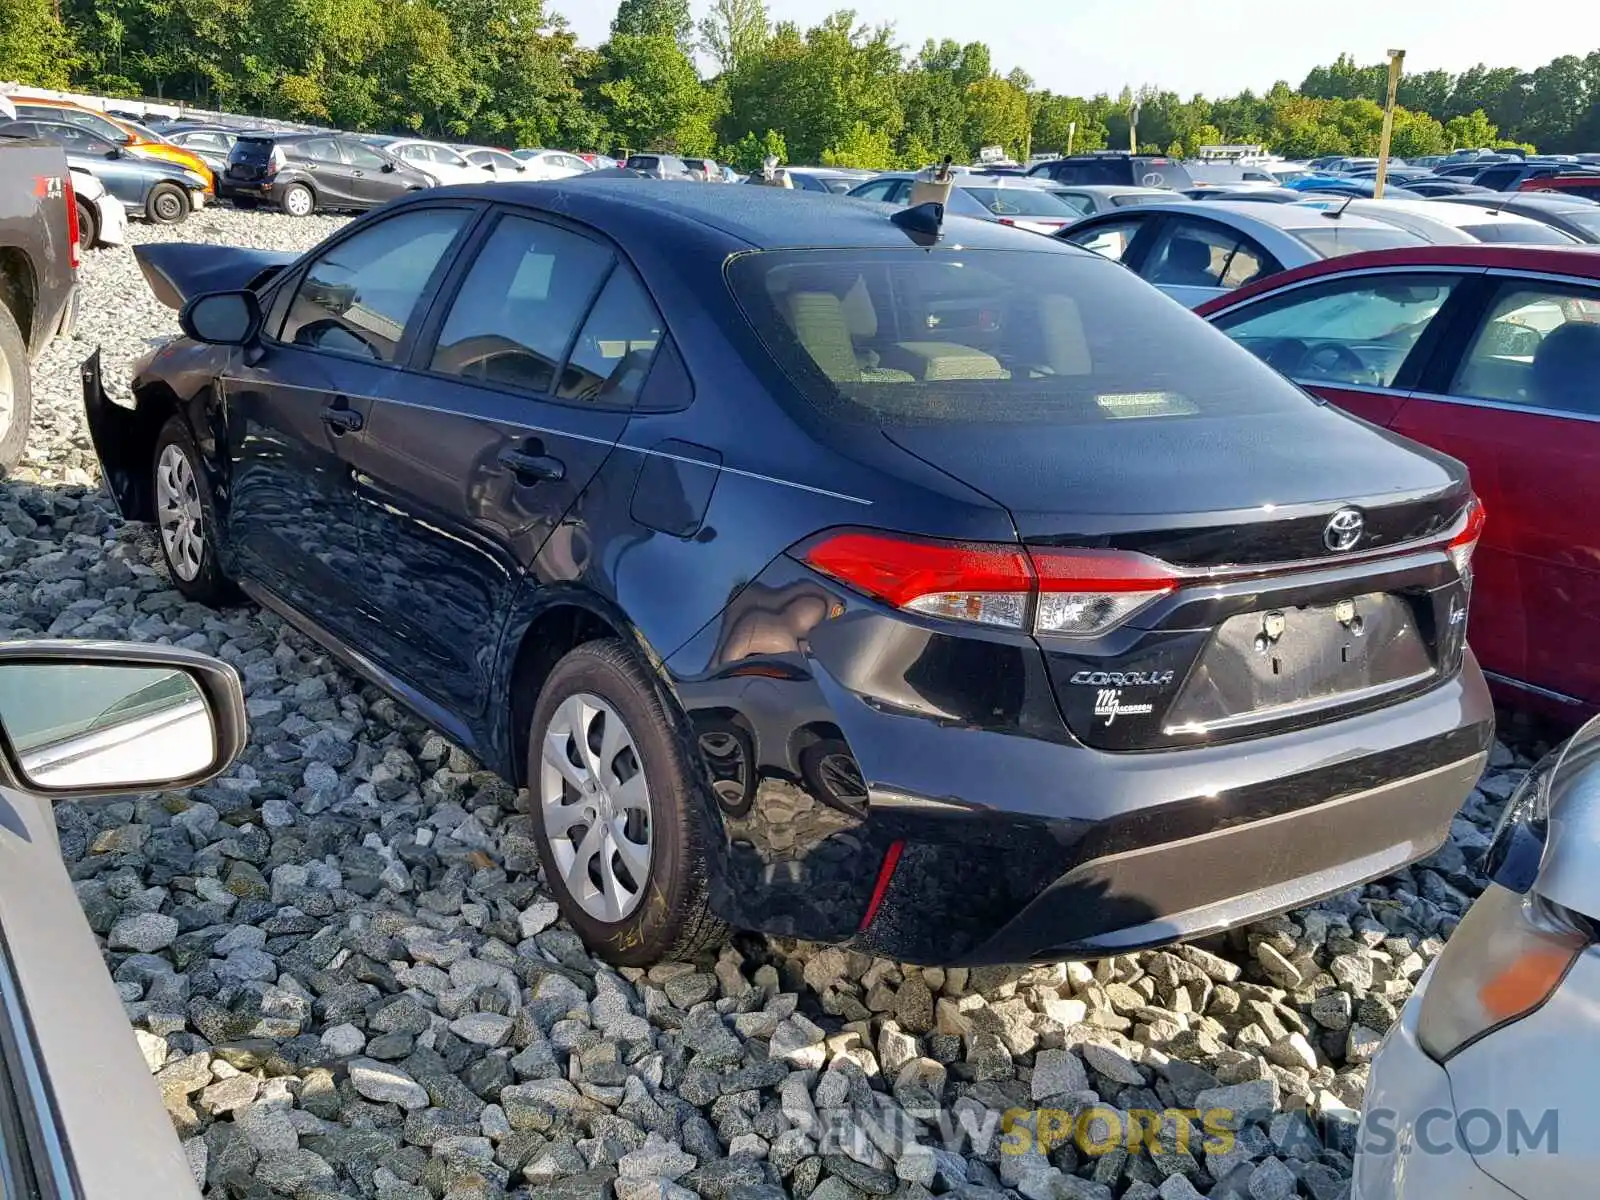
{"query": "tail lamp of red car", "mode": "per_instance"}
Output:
(72, 223)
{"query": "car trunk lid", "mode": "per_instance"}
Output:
(1309, 556)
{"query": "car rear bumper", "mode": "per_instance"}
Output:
(867, 765)
(113, 220)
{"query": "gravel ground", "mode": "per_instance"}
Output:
(340, 965)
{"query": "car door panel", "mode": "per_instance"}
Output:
(469, 477)
(1536, 600)
(295, 411)
(71, 1057)
(330, 174)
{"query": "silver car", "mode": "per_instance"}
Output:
(1025, 203)
(1194, 252)
(80, 1116)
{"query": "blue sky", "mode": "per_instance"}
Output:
(1211, 46)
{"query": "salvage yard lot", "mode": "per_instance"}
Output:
(341, 966)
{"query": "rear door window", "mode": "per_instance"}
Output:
(1192, 253)
(1356, 331)
(514, 317)
(913, 337)
(358, 298)
(321, 150)
(1539, 345)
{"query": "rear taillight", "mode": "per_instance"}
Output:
(276, 160)
(72, 223)
(1463, 543)
(1072, 593)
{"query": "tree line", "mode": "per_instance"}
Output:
(511, 72)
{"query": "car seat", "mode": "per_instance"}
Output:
(1187, 264)
(1566, 369)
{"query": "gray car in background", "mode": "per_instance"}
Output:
(1006, 200)
(1194, 252)
(80, 1116)
(659, 166)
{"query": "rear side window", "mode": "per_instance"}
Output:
(641, 162)
(357, 298)
(1538, 346)
(321, 150)
(612, 355)
(909, 337)
(515, 315)
(1202, 254)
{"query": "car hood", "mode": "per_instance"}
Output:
(179, 271)
(1074, 479)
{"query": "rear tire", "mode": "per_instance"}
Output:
(186, 516)
(168, 204)
(16, 392)
(298, 200)
(628, 784)
(88, 225)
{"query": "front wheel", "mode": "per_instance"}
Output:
(298, 200)
(186, 516)
(620, 824)
(168, 204)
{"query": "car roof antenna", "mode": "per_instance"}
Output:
(923, 222)
(1333, 214)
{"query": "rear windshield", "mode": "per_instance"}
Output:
(1529, 233)
(251, 149)
(1335, 239)
(1587, 220)
(837, 184)
(1021, 202)
(891, 337)
(1128, 198)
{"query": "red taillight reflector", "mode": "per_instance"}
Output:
(891, 859)
(72, 221)
(1071, 592)
(900, 571)
(1464, 543)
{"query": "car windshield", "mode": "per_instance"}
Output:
(890, 337)
(837, 184)
(1336, 238)
(1021, 202)
(1525, 233)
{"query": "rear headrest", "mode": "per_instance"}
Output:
(1566, 369)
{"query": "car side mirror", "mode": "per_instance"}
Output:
(487, 166)
(388, 166)
(114, 152)
(101, 718)
(222, 318)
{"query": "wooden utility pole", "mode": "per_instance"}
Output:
(1396, 59)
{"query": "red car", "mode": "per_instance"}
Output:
(1586, 185)
(1490, 353)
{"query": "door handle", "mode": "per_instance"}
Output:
(533, 468)
(341, 418)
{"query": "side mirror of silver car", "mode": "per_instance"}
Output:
(102, 718)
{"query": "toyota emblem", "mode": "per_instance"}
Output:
(1344, 530)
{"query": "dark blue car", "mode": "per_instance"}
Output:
(822, 569)
(162, 192)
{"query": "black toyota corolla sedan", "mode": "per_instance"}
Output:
(822, 570)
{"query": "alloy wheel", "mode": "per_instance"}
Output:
(178, 510)
(595, 803)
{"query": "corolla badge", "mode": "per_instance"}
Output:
(1344, 530)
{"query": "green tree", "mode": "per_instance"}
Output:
(861, 147)
(653, 99)
(750, 151)
(734, 32)
(654, 18)
(34, 46)
(1470, 132)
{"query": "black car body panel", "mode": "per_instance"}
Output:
(380, 508)
(342, 173)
